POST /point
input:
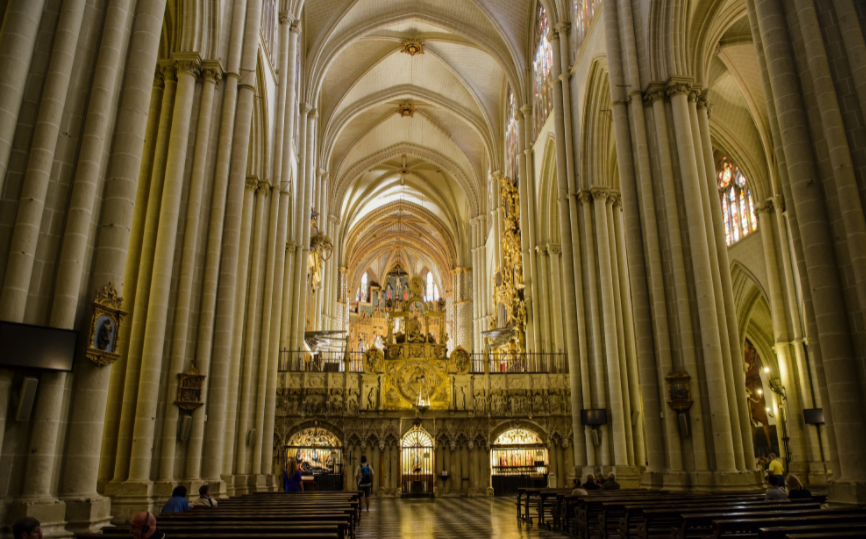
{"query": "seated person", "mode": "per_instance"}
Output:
(775, 492)
(576, 490)
(27, 528)
(611, 483)
(796, 490)
(143, 526)
(204, 498)
(178, 502)
(590, 483)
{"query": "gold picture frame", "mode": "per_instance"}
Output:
(105, 327)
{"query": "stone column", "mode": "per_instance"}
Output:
(248, 393)
(241, 365)
(651, 325)
(300, 215)
(131, 346)
(183, 305)
(163, 260)
(722, 409)
(553, 252)
(611, 348)
(231, 171)
(523, 183)
(545, 296)
(17, 43)
(553, 465)
(599, 397)
(818, 253)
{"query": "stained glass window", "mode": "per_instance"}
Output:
(584, 11)
(738, 208)
(517, 437)
(511, 137)
(269, 29)
(541, 65)
(361, 294)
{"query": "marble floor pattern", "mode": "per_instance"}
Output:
(446, 518)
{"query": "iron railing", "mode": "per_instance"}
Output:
(329, 361)
(527, 362)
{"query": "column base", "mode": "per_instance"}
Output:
(49, 511)
(87, 515)
(128, 498)
(847, 493)
(703, 481)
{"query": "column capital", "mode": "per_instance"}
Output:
(285, 17)
(779, 203)
(552, 35)
(694, 94)
(314, 113)
(617, 200)
(678, 86)
(599, 193)
(187, 62)
(554, 249)
(212, 71)
(295, 27)
(252, 183)
(541, 249)
(290, 246)
(584, 196)
(344, 270)
(264, 187)
(526, 110)
(562, 27)
(305, 108)
(169, 70)
(158, 78)
(655, 91)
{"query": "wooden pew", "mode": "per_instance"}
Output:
(695, 520)
(857, 529)
(724, 523)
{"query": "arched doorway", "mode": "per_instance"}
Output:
(319, 455)
(518, 459)
(763, 412)
(416, 463)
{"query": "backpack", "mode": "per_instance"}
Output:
(366, 476)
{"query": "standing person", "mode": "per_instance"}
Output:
(777, 468)
(204, 499)
(293, 480)
(178, 502)
(27, 528)
(796, 490)
(611, 483)
(590, 483)
(364, 480)
(143, 526)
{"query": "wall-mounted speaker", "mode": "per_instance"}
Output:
(26, 396)
(596, 439)
(185, 428)
(685, 431)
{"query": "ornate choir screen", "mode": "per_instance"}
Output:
(319, 454)
(518, 459)
(417, 463)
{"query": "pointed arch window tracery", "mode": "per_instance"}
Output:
(511, 137)
(542, 62)
(738, 208)
(584, 12)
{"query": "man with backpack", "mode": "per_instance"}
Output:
(364, 480)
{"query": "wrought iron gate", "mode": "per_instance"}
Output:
(417, 464)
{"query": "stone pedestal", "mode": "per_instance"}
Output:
(847, 494)
(128, 498)
(87, 515)
(50, 512)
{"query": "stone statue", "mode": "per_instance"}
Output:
(371, 403)
(462, 399)
(103, 339)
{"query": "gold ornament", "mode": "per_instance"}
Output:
(105, 327)
(406, 110)
(189, 386)
(412, 47)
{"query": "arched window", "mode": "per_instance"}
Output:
(584, 11)
(738, 209)
(432, 290)
(511, 137)
(541, 65)
(361, 295)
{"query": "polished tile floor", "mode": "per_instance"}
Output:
(447, 518)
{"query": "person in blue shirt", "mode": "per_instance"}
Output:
(292, 479)
(178, 502)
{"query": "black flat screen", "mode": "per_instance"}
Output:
(37, 347)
